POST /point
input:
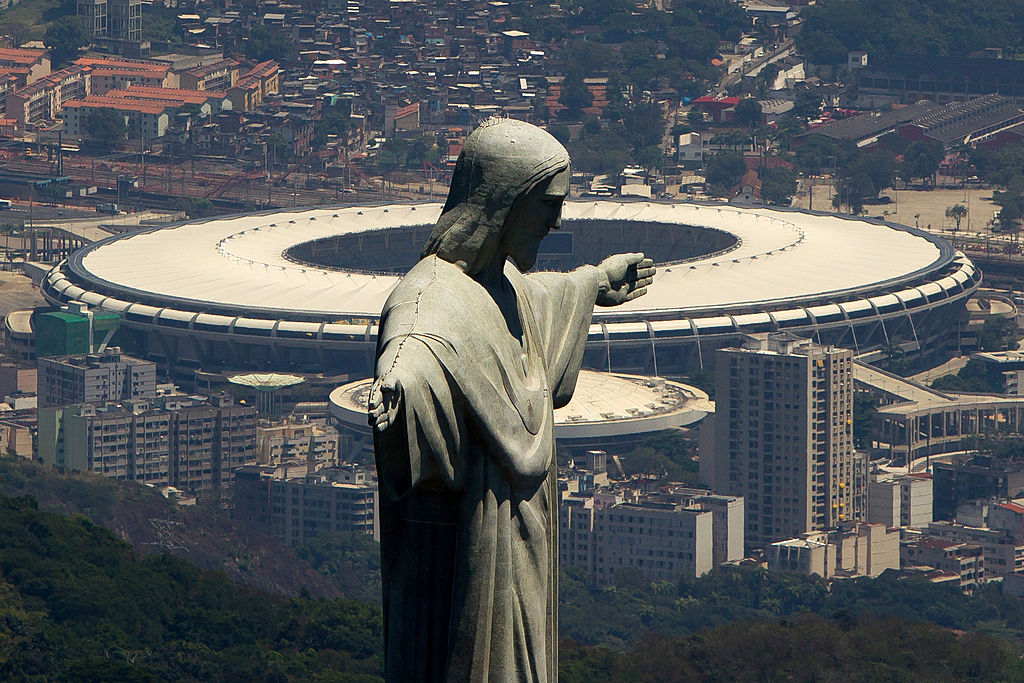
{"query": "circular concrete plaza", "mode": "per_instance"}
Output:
(606, 411)
(301, 291)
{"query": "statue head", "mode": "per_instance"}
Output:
(506, 193)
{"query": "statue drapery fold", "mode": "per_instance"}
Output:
(475, 437)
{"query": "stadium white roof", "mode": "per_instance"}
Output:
(237, 264)
(603, 404)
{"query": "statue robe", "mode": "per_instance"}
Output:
(467, 472)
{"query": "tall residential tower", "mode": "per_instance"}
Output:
(783, 437)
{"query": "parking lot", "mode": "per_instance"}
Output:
(921, 208)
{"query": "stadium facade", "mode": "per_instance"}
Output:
(301, 291)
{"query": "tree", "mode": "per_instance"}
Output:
(16, 31)
(957, 212)
(560, 132)
(645, 124)
(104, 130)
(1008, 219)
(747, 112)
(64, 37)
(332, 122)
(650, 157)
(264, 43)
(807, 105)
(778, 185)
(575, 97)
(725, 169)
(922, 159)
(879, 166)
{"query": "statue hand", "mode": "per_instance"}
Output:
(628, 278)
(385, 400)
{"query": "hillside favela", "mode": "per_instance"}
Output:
(799, 456)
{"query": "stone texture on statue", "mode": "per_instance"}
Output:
(472, 357)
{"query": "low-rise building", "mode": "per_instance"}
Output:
(95, 378)
(1003, 554)
(811, 555)
(971, 476)
(287, 441)
(28, 64)
(193, 443)
(677, 532)
(112, 74)
(219, 76)
(249, 90)
(288, 503)
(17, 378)
(148, 110)
(854, 549)
(691, 148)
(966, 560)
(1008, 516)
(900, 500)
(15, 438)
(145, 120)
(44, 99)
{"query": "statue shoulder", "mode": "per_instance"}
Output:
(431, 282)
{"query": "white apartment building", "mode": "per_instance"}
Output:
(856, 549)
(900, 500)
(683, 532)
(287, 440)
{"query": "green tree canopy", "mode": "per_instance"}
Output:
(64, 38)
(332, 122)
(748, 112)
(725, 169)
(778, 185)
(807, 105)
(575, 97)
(957, 212)
(265, 43)
(921, 160)
(896, 28)
(104, 130)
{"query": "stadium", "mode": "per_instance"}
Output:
(610, 412)
(300, 291)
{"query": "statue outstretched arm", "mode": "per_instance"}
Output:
(627, 277)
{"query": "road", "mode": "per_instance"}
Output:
(93, 230)
(784, 50)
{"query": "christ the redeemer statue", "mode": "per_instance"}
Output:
(472, 358)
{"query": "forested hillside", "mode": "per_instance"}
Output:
(139, 515)
(79, 605)
(889, 28)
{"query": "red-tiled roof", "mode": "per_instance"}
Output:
(122, 65)
(23, 56)
(117, 103)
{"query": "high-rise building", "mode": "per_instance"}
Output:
(117, 19)
(93, 14)
(783, 437)
(95, 378)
